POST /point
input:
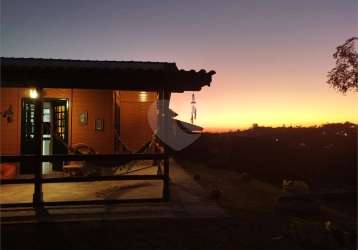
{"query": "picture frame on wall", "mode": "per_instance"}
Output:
(84, 118)
(99, 125)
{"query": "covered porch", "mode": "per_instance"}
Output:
(40, 74)
(188, 199)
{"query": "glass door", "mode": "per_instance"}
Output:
(59, 130)
(46, 137)
(28, 145)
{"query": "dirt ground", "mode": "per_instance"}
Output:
(183, 234)
(252, 222)
(247, 198)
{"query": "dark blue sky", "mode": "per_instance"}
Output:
(267, 53)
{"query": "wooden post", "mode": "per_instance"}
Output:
(166, 182)
(38, 196)
(163, 120)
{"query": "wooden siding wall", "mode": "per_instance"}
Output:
(9, 133)
(135, 130)
(98, 104)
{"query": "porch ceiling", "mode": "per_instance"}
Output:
(86, 74)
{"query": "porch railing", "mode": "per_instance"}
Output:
(38, 180)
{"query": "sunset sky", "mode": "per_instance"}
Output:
(271, 56)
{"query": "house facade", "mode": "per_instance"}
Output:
(102, 104)
(74, 112)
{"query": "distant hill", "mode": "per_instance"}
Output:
(323, 156)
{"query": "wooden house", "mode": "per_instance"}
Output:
(103, 104)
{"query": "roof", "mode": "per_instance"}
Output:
(188, 127)
(90, 64)
(172, 113)
(92, 74)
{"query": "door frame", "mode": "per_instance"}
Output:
(22, 122)
(67, 125)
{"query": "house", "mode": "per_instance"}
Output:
(102, 104)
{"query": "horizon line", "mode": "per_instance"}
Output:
(232, 129)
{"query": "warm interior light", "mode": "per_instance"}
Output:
(143, 96)
(33, 94)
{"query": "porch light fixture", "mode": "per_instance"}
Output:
(143, 96)
(33, 94)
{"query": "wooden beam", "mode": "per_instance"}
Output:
(84, 179)
(38, 195)
(101, 157)
(84, 202)
(103, 178)
(166, 181)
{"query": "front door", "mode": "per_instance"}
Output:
(55, 131)
(28, 143)
(59, 130)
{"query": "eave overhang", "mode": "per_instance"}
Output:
(59, 73)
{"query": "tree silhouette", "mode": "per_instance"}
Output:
(344, 76)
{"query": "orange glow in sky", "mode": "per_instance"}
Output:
(283, 98)
(271, 56)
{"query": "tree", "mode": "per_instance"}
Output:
(344, 76)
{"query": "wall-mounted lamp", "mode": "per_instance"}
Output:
(33, 93)
(143, 96)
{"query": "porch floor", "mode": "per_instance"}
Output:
(188, 199)
(85, 190)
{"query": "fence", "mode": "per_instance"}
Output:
(38, 180)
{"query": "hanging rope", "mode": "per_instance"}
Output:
(193, 109)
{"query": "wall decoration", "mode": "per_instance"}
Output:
(8, 114)
(99, 125)
(84, 118)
